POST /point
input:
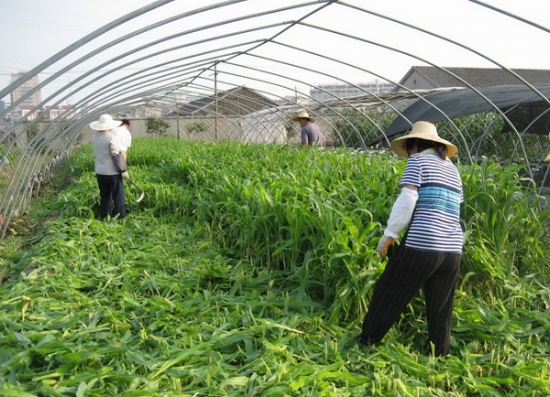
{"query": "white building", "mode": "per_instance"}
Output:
(325, 92)
(33, 99)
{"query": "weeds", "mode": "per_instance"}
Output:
(246, 270)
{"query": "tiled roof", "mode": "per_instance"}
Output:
(478, 77)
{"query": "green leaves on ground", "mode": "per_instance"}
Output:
(246, 270)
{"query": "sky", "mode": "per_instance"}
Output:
(375, 41)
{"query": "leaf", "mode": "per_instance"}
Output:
(14, 391)
(81, 390)
(235, 381)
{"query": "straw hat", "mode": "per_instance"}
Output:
(104, 123)
(421, 130)
(304, 115)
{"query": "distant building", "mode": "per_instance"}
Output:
(150, 110)
(325, 92)
(293, 100)
(23, 110)
(32, 100)
(429, 77)
(65, 111)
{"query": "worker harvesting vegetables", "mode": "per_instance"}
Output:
(310, 133)
(109, 166)
(429, 255)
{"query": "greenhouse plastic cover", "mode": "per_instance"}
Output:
(464, 102)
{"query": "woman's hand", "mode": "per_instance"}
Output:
(383, 245)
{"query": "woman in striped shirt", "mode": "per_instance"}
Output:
(429, 255)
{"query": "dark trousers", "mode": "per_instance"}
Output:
(111, 188)
(405, 273)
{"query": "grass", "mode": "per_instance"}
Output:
(246, 270)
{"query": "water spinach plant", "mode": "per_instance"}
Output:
(246, 271)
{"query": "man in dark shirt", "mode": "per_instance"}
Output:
(310, 132)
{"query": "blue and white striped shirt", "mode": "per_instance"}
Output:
(435, 225)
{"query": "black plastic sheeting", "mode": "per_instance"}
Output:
(464, 102)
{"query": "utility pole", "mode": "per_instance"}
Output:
(216, 101)
(177, 119)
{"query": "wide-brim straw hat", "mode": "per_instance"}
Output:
(421, 130)
(104, 123)
(304, 115)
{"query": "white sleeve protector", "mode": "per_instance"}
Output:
(401, 212)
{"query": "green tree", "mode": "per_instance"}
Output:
(196, 128)
(32, 130)
(34, 138)
(156, 126)
(354, 129)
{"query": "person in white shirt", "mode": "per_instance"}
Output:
(122, 132)
(109, 166)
